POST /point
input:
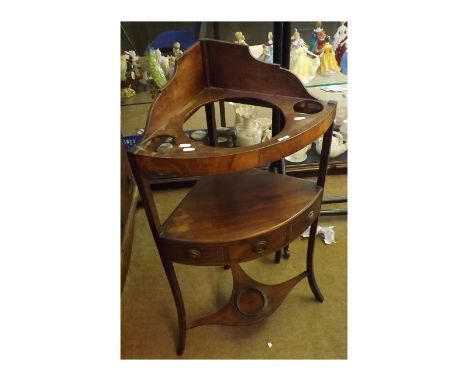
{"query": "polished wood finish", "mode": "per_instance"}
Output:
(235, 212)
(211, 124)
(327, 137)
(250, 300)
(231, 218)
(251, 203)
(212, 71)
(127, 238)
(128, 203)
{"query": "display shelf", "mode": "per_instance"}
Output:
(332, 79)
(140, 98)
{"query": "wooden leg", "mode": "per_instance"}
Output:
(310, 262)
(222, 113)
(226, 266)
(286, 252)
(211, 124)
(277, 257)
(171, 276)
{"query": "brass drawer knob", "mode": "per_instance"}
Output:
(311, 215)
(193, 254)
(260, 246)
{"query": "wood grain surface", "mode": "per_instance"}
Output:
(212, 71)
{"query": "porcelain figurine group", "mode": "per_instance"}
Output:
(250, 129)
(319, 57)
(152, 69)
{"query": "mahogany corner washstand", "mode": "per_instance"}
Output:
(236, 212)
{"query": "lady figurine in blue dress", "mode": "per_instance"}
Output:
(267, 54)
(314, 38)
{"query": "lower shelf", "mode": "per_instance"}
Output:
(235, 217)
(250, 300)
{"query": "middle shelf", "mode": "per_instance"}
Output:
(264, 211)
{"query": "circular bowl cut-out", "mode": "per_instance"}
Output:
(251, 302)
(308, 107)
(247, 122)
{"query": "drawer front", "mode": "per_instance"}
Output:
(193, 254)
(299, 225)
(258, 246)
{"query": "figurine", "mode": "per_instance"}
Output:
(130, 73)
(127, 92)
(171, 66)
(299, 156)
(341, 120)
(303, 63)
(318, 39)
(240, 39)
(248, 130)
(163, 61)
(328, 64)
(265, 126)
(340, 42)
(340, 35)
(155, 70)
(270, 39)
(321, 40)
(267, 54)
(142, 83)
(176, 50)
(338, 145)
(295, 42)
(314, 38)
(269, 44)
(123, 68)
(344, 63)
(133, 67)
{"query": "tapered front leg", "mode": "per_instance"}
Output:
(310, 262)
(171, 276)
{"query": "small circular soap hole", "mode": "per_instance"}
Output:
(163, 143)
(308, 107)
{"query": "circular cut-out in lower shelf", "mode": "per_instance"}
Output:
(251, 302)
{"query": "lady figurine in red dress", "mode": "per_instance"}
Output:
(321, 40)
(340, 42)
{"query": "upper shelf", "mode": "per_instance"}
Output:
(212, 71)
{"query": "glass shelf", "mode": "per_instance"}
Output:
(140, 98)
(334, 79)
(145, 97)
